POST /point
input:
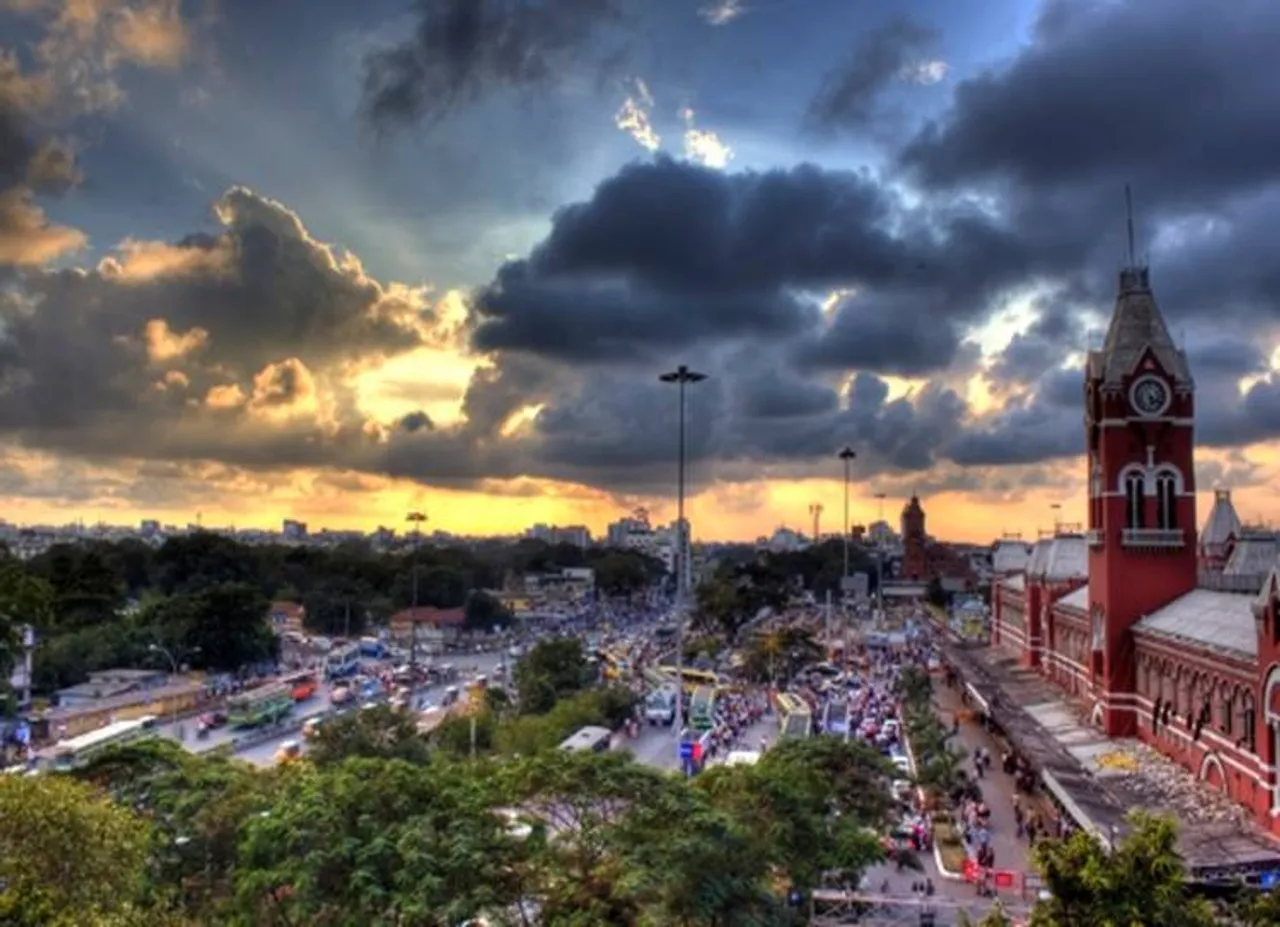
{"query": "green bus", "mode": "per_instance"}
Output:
(263, 705)
(702, 708)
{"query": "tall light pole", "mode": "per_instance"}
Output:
(880, 497)
(847, 457)
(417, 519)
(683, 377)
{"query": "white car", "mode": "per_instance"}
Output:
(902, 764)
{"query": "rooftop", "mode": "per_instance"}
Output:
(1105, 778)
(1222, 525)
(1220, 621)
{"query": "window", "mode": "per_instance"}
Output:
(1249, 740)
(1227, 708)
(1167, 501)
(1133, 501)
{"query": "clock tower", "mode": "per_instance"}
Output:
(1140, 438)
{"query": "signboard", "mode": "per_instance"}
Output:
(856, 585)
(1269, 880)
(686, 750)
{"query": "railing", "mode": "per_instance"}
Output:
(1231, 582)
(1153, 537)
(1095, 537)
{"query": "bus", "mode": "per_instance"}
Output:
(79, 750)
(342, 661)
(795, 720)
(589, 740)
(263, 705)
(692, 677)
(302, 685)
(702, 709)
(836, 718)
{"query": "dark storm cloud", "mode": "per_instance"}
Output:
(416, 421)
(905, 333)
(463, 49)
(850, 94)
(1057, 330)
(1168, 95)
(667, 253)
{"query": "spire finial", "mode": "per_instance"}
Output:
(1128, 212)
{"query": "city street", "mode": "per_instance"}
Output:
(263, 753)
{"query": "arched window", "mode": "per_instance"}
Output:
(1167, 500)
(1133, 501)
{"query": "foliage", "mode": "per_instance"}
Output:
(68, 856)
(935, 594)
(780, 653)
(1139, 884)
(529, 734)
(98, 605)
(376, 842)
(938, 763)
(483, 612)
(376, 732)
(552, 668)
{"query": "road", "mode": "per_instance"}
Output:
(263, 753)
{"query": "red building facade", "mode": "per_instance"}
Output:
(1171, 638)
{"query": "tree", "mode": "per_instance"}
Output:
(223, 627)
(377, 842)
(377, 732)
(483, 612)
(68, 857)
(577, 801)
(935, 594)
(24, 600)
(551, 669)
(780, 653)
(1139, 884)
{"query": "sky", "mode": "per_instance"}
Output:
(342, 261)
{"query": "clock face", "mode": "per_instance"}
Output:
(1150, 396)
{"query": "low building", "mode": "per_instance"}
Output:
(169, 699)
(109, 684)
(427, 625)
(286, 616)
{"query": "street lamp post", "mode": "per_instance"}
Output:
(417, 519)
(173, 666)
(846, 456)
(682, 376)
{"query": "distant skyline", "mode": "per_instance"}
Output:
(337, 262)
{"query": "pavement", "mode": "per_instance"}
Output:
(998, 788)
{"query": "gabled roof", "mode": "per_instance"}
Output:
(1136, 327)
(1065, 557)
(1221, 621)
(1222, 525)
(1254, 554)
(1078, 600)
(1010, 556)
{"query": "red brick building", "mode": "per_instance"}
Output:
(1172, 638)
(923, 558)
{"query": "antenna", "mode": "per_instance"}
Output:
(1128, 212)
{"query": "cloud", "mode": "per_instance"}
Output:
(463, 50)
(702, 146)
(850, 94)
(633, 118)
(722, 12)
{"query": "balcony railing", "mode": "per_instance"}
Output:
(1095, 537)
(1153, 537)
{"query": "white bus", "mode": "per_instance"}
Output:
(342, 661)
(589, 740)
(79, 750)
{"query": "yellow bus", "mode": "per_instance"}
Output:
(693, 678)
(795, 720)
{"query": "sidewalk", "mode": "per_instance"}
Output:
(998, 788)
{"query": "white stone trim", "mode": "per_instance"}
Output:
(1211, 758)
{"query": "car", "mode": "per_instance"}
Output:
(902, 763)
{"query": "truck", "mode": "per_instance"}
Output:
(660, 706)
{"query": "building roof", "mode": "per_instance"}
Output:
(425, 614)
(1016, 582)
(1136, 326)
(1079, 600)
(1254, 554)
(1207, 619)
(1010, 556)
(1221, 526)
(1039, 556)
(1064, 557)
